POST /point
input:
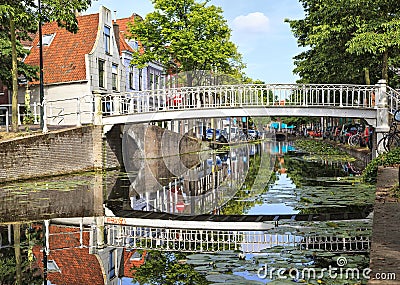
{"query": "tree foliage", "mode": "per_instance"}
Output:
(164, 268)
(24, 26)
(346, 40)
(18, 19)
(25, 17)
(185, 35)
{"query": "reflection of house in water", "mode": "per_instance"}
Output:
(282, 182)
(281, 147)
(72, 260)
(201, 189)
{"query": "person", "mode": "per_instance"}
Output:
(370, 137)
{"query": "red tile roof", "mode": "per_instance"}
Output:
(76, 265)
(130, 264)
(123, 24)
(64, 58)
(124, 33)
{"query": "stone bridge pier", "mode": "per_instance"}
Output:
(382, 114)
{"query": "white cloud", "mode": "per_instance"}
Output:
(255, 22)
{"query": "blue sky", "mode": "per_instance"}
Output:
(258, 29)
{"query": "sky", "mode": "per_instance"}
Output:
(258, 29)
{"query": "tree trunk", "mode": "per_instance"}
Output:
(366, 76)
(385, 66)
(17, 251)
(14, 72)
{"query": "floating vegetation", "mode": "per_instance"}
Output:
(277, 265)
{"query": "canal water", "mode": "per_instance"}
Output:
(260, 178)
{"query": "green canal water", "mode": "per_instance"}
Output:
(256, 179)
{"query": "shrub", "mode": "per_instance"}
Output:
(390, 158)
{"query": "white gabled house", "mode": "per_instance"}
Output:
(77, 66)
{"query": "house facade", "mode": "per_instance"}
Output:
(95, 60)
(71, 259)
(76, 66)
(148, 78)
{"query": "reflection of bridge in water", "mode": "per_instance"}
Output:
(188, 239)
(164, 226)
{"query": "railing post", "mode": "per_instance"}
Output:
(98, 112)
(78, 112)
(116, 104)
(198, 97)
(44, 104)
(7, 121)
(19, 115)
(100, 232)
(35, 113)
(341, 97)
(382, 112)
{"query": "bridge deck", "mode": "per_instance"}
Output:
(245, 218)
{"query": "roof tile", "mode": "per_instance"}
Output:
(64, 58)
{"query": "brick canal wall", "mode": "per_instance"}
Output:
(84, 149)
(55, 153)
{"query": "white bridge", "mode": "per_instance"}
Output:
(208, 236)
(371, 103)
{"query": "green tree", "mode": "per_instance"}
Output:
(378, 32)
(18, 19)
(186, 36)
(326, 32)
(164, 268)
(15, 27)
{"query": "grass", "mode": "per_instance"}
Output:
(11, 135)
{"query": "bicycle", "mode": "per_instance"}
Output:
(357, 139)
(391, 140)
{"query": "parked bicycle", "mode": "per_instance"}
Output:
(359, 138)
(391, 139)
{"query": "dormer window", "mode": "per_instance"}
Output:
(107, 39)
(47, 39)
(133, 44)
(52, 266)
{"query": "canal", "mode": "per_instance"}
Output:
(265, 179)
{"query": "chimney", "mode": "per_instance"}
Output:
(116, 35)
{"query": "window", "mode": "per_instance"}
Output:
(131, 79)
(47, 39)
(111, 261)
(107, 40)
(101, 73)
(157, 81)
(52, 266)
(151, 83)
(133, 44)
(115, 77)
(140, 79)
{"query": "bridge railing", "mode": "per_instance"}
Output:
(393, 97)
(237, 96)
(213, 240)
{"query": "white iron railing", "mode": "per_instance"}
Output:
(231, 96)
(393, 97)
(82, 109)
(214, 240)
